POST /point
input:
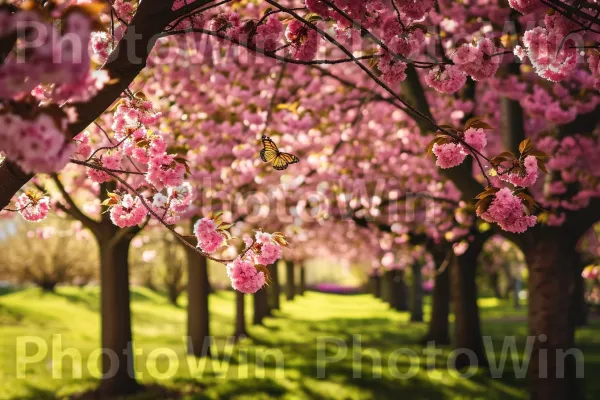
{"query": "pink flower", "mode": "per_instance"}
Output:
(393, 70)
(268, 35)
(508, 212)
(33, 208)
(449, 154)
(109, 161)
(476, 138)
(209, 239)
(130, 212)
(446, 78)
(269, 253)
(164, 171)
(476, 61)
(244, 276)
(524, 178)
(304, 40)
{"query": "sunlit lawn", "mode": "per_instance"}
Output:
(72, 313)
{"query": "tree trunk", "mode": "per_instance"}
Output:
(261, 306)
(551, 286)
(398, 296)
(275, 287)
(439, 331)
(119, 376)
(467, 325)
(416, 295)
(375, 284)
(198, 315)
(302, 286)
(240, 317)
(495, 284)
(579, 307)
(290, 285)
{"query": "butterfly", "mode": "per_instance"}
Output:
(270, 153)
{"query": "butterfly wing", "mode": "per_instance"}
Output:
(289, 158)
(270, 151)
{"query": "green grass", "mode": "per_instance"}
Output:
(72, 313)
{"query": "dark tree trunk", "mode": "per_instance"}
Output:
(198, 315)
(551, 285)
(275, 287)
(416, 294)
(240, 317)
(116, 317)
(579, 307)
(467, 325)
(48, 286)
(375, 285)
(439, 331)
(290, 284)
(261, 306)
(397, 290)
(495, 284)
(302, 283)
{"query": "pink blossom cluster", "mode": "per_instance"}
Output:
(266, 251)
(400, 40)
(32, 208)
(181, 197)
(84, 149)
(143, 145)
(594, 63)
(177, 201)
(131, 115)
(129, 212)
(164, 171)
(526, 6)
(477, 61)
(508, 211)
(268, 35)
(304, 40)
(162, 207)
(392, 69)
(524, 178)
(53, 60)
(542, 104)
(37, 144)
(110, 161)
(101, 43)
(549, 60)
(415, 9)
(209, 238)
(244, 276)
(591, 273)
(366, 12)
(446, 78)
(450, 155)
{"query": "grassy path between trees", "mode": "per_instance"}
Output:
(330, 325)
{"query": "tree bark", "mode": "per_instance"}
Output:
(275, 287)
(397, 290)
(261, 306)
(302, 283)
(240, 317)
(375, 285)
(579, 307)
(290, 284)
(467, 325)
(439, 331)
(198, 315)
(551, 286)
(416, 295)
(119, 376)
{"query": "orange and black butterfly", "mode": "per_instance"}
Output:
(279, 160)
